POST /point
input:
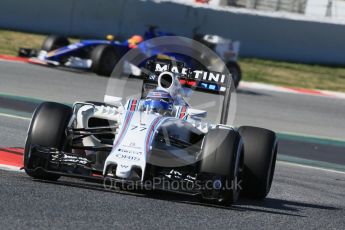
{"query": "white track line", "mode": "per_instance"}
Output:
(15, 116)
(10, 168)
(300, 91)
(309, 167)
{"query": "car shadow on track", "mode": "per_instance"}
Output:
(268, 205)
(283, 205)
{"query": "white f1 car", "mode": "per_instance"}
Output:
(157, 138)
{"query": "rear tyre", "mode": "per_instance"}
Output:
(104, 59)
(235, 71)
(222, 161)
(260, 153)
(53, 42)
(47, 129)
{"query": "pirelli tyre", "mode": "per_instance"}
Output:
(222, 162)
(47, 129)
(53, 42)
(104, 59)
(260, 153)
(235, 71)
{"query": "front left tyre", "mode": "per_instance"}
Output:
(222, 163)
(47, 129)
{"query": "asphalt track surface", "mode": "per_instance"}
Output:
(301, 197)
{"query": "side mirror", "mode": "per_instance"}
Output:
(197, 113)
(111, 100)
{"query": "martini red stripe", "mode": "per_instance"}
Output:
(124, 128)
(183, 112)
(150, 132)
(134, 104)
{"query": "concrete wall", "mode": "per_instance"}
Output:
(261, 35)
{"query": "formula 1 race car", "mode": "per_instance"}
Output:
(100, 56)
(156, 141)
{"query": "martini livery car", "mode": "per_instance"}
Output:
(158, 137)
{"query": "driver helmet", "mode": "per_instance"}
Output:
(158, 101)
(134, 41)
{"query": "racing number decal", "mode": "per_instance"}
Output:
(142, 128)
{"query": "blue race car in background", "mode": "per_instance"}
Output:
(101, 56)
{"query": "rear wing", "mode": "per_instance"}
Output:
(200, 80)
(208, 81)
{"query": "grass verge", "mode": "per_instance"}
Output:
(11, 41)
(256, 70)
(294, 75)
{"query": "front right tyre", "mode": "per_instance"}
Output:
(260, 153)
(222, 163)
